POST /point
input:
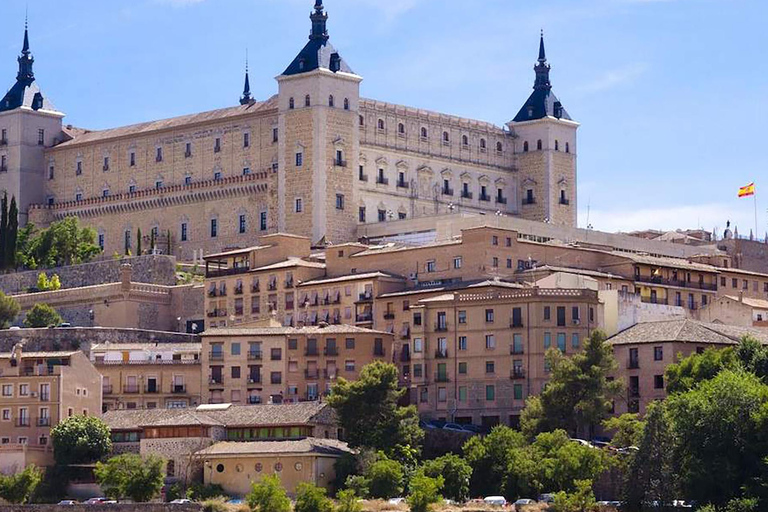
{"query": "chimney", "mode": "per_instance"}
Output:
(741, 297)
(126, 272)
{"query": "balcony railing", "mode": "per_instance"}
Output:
(254, 378)
(330, 374)
(517, 373)
(254, 355)
(106, 390)
(447, 191)
(501, 200)
(151, 389)
(655, 300)
(676, 282)
(515, 351)
(364, 317)
(633, 364)
(365, 297)
(466, 195)
(485, 198)
(311, 351)
(311, 374)
(441, 327)
(402, 184)
(131, 388)
(216, 356)
(381, 180)
(441, 353)
(43, 422)
(529, 200)
(223, 272)
(216, 381)
(378, 351)
(362, 177)
(178, 389)
(389, 315)
(23, 422)
(331, 351)
(441, 377)
(515, 324)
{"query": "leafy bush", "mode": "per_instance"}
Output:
(581, 500)
(42, 315)
(44, 284)
(311, 498)
(455, 472)
(348, 502)
(9, 310)
(425, 491)
(385, 478)
(218, 504)
(20, 487)
(129, 475)
(268, 495)
(359, 485)
(200, 492)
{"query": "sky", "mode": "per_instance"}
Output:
(672, 95)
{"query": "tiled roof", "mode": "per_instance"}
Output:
(300, 446)
(753, 303)
(461, 285)
(685, 331)
(40, 355)
(169, 124)
(150, 347)
(349, 277)
(233, 416)
(290, 263)
(666, 262)
(288, 331)
(393, 247)
(572, 270)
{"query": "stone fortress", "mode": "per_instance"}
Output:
(315, 160)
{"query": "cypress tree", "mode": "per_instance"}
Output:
(3, 231)
(138, 242)
(12, 237)
(168, 243)
(152, 242)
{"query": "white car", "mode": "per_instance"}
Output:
(496, 501)
(396, 501)
(181, 501)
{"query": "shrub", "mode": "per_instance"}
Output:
(455, 472)
(348, 502)
(200, 492)
(218, 504)
(385, 478)
(425, 491)
(268, 495)
(311, 498)
(42, 315)
(359, 485)
(20, 487)
(130, 475)
(9, 310)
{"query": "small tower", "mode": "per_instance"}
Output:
(246, 99)
(319, 147)
(545, 152)
(28, 124)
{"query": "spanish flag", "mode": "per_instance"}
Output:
(747, 191)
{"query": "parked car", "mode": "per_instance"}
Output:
(68, 502)
(475, 429)
(235, 501)
(436, 424)
(453, 427)
(95, 501)
(582, 442)
(181, 501)
(525, 501)
(546, 498)
(396, 501)
(496, 501)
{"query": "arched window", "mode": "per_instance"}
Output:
(362, 121)
(446, 137)
(538, 144)
(346, 103)
(307, 101)
(557, 145)
(401, 128)
(567, 148)
(381, 124)
(499, 147)
(330, 101)
(525, 146)
(291, 104)
(482, 144)
(465, 140)
(424, 132)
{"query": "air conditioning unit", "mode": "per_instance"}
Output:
(576, 321)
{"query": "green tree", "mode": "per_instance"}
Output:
(368, 410)
(138, 242)
(63, 243)
(348, 502)
(151, 241)
(359, 485)
(268, 495)
(42, 315)
(44, 284)
(425, 491)
(385, 478)
(718, 427)
(489, 458)
(168, 243)
(131, 476)
(3, 230)
(25, 235)
(9, 310)
(19, 488)
(11, 237)
(311, 498)
(688, 372)
(582, 499)
(80, 440)
(652, 475)
(627, 428)
(456, 473)
(579, 393)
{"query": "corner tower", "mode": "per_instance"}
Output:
(319, 142)
(545, 150)
(28, 124)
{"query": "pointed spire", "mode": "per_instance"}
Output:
(246, 99)
(319, 19)
(542, 68)
(25, 47)
(542, 53)
(25, 59)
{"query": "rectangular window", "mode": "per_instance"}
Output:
(462, 343)
(517, 344)
(658, 353)
(242, 223)
(235, 372)
(40, 137)
(263, 221)
(431, 266)
(299, 159)
(575, 316)
(561, 316)
(462, 317)
(575, 341)
(214, 228)
(246, 140)
(361, 214)
(299, 205)
(462, 368)
(490, 393)
(517, 317)
(489, 315)
(79, 168)
(490, 367)
(418, 345)
(457, 261)
(441, 395)
(183, 231)
(518, 391)
(101, 241)
(462, 394)
(561, 341)
(339, 201)
(658, 382)
(159, 155)
(490, 341)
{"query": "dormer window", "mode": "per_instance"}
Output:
(335, 64)
(530, 111)
(301, 64)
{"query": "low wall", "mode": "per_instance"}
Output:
(122, 507)
(153, 269)
(81, 338)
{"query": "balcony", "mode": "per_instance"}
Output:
(389, 315)
(216, 356)
(447, 191)
(216, 381)
(405, 333)
(656, 300)
(331, 351)
(364, 318)
(311, 374)
(45, 397)
(330, 374)
(516, 351)
(43, 422)
(405, 355)
(378, 351)
(22, 422)
(381, 180)
(402, 184)
(289, 283)
(105, 390)
(441, 353)
(633, 364)
(515, 324)
(272, 286)
(441, 377)
(178, 389)
(254, 355)
(501, 200)
(311, 352)
(676, 282)
(441, 327)
(362, 177)
(151, 389)
(253, 400)
(3, 142)
(255, 288)
(517, 373)
(4, 168)
(224, 272)
(486, 198)
(239, 290)
(131, 389)
(254, 379)
(466, 195)
(339, 163)
(366, 297)
(529, 200)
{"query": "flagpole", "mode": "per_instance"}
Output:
(755, 198)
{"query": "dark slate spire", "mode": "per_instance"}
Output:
(26, 60)
(318, 52)
(246, 99)
(25, 92)
(319, 22)
(542, 103)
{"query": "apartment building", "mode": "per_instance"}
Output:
(149, 375)
(276, 364)
(37, 391)
(644, 352)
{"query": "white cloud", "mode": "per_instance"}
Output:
(706, 216)
(615, 78)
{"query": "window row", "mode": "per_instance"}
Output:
(308, 102)
(540, 146)
(743, 284)
(445, 138)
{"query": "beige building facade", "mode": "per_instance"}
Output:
(37, 391)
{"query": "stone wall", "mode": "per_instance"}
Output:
(83, 337)
(123, 507)
(145, 269)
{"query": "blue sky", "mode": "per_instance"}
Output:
(671, 94)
